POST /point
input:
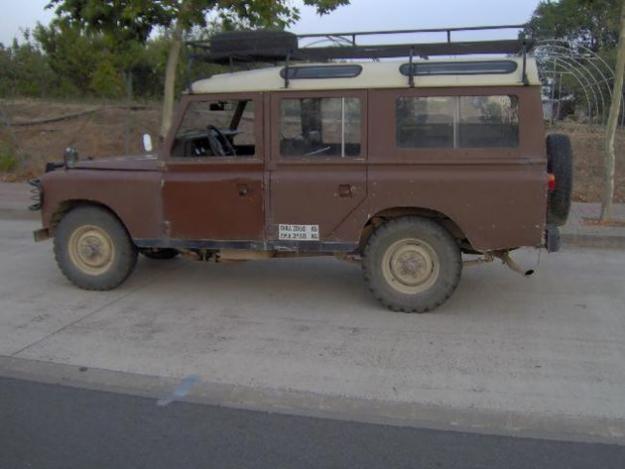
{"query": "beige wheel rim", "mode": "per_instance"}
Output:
(91, 249)
(410, 266)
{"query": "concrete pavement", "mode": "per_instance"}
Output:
(544, 354)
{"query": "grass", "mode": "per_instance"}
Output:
(8, 159)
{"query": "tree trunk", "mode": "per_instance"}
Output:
(170, 79)
(615, 107)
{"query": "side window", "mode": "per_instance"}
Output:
(488, 121)
(216, 128)
(320, 127)
(457, 122)
(425, 122)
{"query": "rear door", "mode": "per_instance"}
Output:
(317, 168)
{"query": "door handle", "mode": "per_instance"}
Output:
(243, 190)
(346, 190)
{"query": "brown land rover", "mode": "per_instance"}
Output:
(400, 165)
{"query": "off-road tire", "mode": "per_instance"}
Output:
(121, 261)
(431, 234)
(560, 164)
(160, 254)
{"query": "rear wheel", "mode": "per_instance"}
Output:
(93, 249)
(412, 264)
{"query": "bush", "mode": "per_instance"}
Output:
(8, 160)
(106, 81)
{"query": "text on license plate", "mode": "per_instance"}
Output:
(299, 232)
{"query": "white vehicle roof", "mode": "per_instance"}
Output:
(384, 74)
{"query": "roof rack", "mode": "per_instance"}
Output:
(224, 51)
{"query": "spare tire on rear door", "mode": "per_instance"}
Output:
(560, 164)
(263, 44)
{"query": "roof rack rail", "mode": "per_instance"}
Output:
(272, 46)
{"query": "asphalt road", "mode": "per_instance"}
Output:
(51, 426)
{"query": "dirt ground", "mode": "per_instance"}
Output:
(588, 145)
(95, 134)
(103, 133)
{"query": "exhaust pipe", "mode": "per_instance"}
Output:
(506, 260)
(511, 264)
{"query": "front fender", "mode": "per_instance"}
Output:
(133, 196)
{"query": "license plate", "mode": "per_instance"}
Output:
(299, 232)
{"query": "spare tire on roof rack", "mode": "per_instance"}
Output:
(253, 45)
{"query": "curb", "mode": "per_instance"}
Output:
(593, 241)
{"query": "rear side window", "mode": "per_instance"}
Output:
(488, 121)
(457, 122)
(320, 127)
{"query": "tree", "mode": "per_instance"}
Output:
(600, 26)
(71, 54)
(615, 107)
(23, 69)
(591, 23)
(134, 20)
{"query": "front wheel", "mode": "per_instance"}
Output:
(412, 264)
(93, 249)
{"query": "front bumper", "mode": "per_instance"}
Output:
(36, 195)
(41, 234)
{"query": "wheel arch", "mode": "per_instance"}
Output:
(402, 211)
(66, 206)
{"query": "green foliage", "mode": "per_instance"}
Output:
(91, 45)
(62, 61)
(591, 23)
(106, 80)
(134, 20)
(24, 69)
(8, 160)
(71, 54)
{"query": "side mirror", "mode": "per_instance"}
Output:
(147, 143)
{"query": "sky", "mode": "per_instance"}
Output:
(360, 15)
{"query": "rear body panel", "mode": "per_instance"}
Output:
(497, 196)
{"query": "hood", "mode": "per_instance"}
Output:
(122, 163)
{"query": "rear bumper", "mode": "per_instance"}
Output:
(552, 238)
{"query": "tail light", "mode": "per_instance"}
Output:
(551, 182)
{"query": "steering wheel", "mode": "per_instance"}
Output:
(226, 147)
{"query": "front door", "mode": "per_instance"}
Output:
(318, 168)
(213, 183)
